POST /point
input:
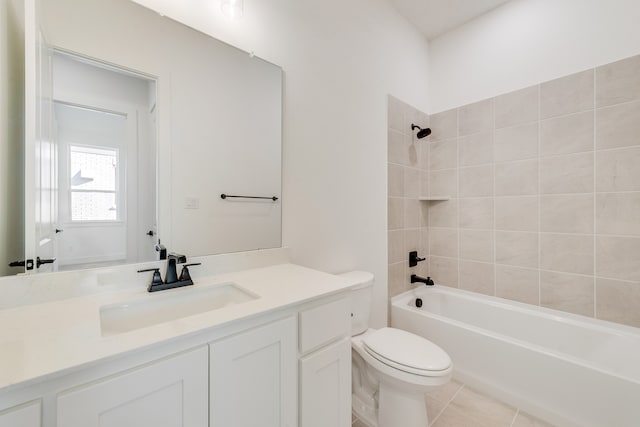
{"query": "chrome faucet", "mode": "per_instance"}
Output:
(171, 279)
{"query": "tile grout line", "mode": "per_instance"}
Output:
(405, 122)
(495, 220)
(536, 269)
(604, 107)
(515, 416)
(526, 159)
(515, 196)
(539, 195)
(406, 108)
(423, 238)
(458, 253)
(462, 385)
(595, 183)
(428, 168)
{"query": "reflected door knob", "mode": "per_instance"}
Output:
(40, 261)
(26, 263)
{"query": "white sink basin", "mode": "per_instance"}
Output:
(163, 307)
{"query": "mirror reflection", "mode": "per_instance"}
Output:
(136, 134)
(104, 135)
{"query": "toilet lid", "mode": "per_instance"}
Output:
(406, 351)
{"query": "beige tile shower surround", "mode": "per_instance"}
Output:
(545, 194)
(408, 164)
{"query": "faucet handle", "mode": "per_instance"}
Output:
(185, 275)
(157, 278)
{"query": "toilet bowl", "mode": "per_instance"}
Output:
(392, 369)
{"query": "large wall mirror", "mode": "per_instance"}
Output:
(134, 127)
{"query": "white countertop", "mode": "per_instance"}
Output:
(43, 339)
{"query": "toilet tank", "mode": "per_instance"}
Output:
(361, 300)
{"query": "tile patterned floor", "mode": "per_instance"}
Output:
(457, 405)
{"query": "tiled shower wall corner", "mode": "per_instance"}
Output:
(545, 195)
(407, 181)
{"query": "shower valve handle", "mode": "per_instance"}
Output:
(414, 259)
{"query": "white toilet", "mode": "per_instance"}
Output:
(391, 369)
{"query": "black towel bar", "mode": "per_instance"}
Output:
(226, 196)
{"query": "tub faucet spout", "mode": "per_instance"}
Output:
(417, 279)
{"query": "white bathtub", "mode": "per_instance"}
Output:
(567, 369)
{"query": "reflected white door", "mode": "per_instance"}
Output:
(105, 140)
(94, 147)
(40, 148)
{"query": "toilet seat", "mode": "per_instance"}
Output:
(407, 352)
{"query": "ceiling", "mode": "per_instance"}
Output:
(436, 17)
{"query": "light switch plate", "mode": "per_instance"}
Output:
(191, 203)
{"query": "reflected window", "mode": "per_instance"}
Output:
(94, 183)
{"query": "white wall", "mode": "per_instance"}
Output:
(525, 42)
(340, 59)
(11, 135)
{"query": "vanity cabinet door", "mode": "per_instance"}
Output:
(254, 377)
(169, 393)
(325, 386)
(27, 415)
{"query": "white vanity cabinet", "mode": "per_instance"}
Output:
(168, 393)
(325, 365)
(284, 361)
(245, 380)
(253, 377)
(27, 415)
